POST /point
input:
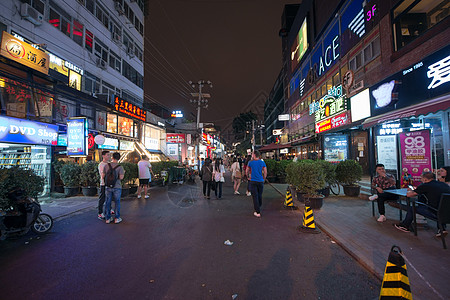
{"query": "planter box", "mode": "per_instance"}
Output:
(89, 191)
(133, 189)
(325, 192)
(71, 191)
(125, 192)
(352, 190)
(314, 202)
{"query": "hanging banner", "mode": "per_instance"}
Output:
(415, 153)
(77, 137)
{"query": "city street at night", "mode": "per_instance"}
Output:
(172, 247)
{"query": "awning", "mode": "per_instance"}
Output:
(273, 146)
(424, 108)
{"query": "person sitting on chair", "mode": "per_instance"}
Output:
(382, 181)
(429, 192)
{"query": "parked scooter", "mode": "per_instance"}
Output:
(23, 216)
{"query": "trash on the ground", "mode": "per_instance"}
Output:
(333, 242)
(152, 280)
(234, 296)
(38, 237)
(26, 243)
(203, 285)
(228, 243)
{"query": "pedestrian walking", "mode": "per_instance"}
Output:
(113, 173)
(219, 179)
(106, 156)
(206, 176)
(236, 175)
(145, 177)
(256, 174)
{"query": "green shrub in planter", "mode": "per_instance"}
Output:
(131, 173)
(70, 174)
(306, 177)
(329, 170)
(19, 178)
(89, 175)
(281, 167)
(348, 172)
(271, 167)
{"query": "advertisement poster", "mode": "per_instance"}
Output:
(27, 132)
(335, 147)
(77, 137)
(387, 151)
(109, 144)
(175, 138)
(415, 152)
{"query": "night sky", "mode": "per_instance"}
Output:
(234, 44)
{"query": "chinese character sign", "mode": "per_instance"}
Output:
(129, 109)
(415, 154)
(333, 122)
(176, 138)
(24, 53)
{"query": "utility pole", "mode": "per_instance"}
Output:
(201, 97)
(253, 136)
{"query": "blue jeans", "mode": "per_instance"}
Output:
(256, 188)
(218, 191)
(421, 210)
(112, 193)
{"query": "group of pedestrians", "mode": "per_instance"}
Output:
(111, 175)
(253, 169)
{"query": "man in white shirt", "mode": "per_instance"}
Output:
(106, 157)
(145, 170)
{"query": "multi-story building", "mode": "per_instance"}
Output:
(272, 109)
(61, 59)
(370, 80)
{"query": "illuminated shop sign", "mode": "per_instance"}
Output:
(77, 137)
(360, 105)
(176, 114)
(109, 144)
(333, 122)
(129, 109)
(284, 117)
(426, 79)
(277, 132)
(24, 53)
(27, 132)
(126, 145)
(331, 104)
(175, 138)
(390, 128)
(300, 45)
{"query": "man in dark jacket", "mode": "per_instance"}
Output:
(430, 192)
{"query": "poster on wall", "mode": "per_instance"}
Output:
(172, 149)
(387, 151)
(415, 153)
(77, 134)
(335, 147)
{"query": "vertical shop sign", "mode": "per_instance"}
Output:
(101, 120)
(387, 151)
(77, 137)
(415, 152)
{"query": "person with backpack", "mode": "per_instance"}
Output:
(206, 176)
(113, 173)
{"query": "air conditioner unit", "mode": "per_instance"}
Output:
(101, 64)
(119, 8)
(29, 13)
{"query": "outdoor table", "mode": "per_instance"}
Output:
(409, 201)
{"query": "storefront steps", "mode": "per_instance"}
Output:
(366, 188)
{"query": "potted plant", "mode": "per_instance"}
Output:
(329, 171)
(57, 164)
(281, 170)
(70, 175)
(129, 177)
(16, 178)
(307, 178)
(348, 173)
(271, 169)
(89, 178)
(133, 175)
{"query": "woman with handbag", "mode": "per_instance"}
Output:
(207, 177)
(219, 179)
(236, 175)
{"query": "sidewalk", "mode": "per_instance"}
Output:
(350, 223)
(61, 207)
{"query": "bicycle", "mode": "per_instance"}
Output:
(334, 187)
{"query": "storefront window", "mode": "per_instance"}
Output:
(413, 18)
(125, 126)
(111, 123)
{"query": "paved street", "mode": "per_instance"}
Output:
(172, 247)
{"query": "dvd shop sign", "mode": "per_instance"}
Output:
(175, 138)
(27, 132)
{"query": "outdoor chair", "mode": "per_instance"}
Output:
(442, 213)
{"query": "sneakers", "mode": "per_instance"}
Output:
(147, 196)
(382, 218)
(101, 216)
(257, 215)
(109, 221)
(249, 194)
(439, 234)
(237, 193)
(139, 197)
(373, 197)
(118, 220)
(401, 227)
(112, 211)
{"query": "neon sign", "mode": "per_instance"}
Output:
(129, 109)
(371, 13)
(176, 114)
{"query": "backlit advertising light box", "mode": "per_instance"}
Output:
(360, 105)
(77, 135)
(27, 132)
(299, 46)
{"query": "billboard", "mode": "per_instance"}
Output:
(77, 137)
(27, 132)
(175, 138)
(299, 46)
